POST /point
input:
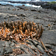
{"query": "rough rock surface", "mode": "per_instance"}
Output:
(44, 17)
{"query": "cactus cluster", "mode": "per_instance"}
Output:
(20, 31)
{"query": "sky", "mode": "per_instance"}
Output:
(29, 0)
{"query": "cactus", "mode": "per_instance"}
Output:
(22, 29)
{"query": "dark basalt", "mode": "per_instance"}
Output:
(44, 17)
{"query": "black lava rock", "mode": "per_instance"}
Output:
(8, 50)
(1, 51)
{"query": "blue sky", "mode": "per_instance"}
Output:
(29, 0)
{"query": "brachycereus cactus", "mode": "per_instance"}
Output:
(20, 31)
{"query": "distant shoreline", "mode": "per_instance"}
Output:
(46, 5)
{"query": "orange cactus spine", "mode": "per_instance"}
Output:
(24, 23)
(32, 28)
(26, 32)
(2, 30)
(7, 30)
(5, 35)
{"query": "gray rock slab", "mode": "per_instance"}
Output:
(25, 55)
(49, 37)
(8, 50)
(2, 43)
